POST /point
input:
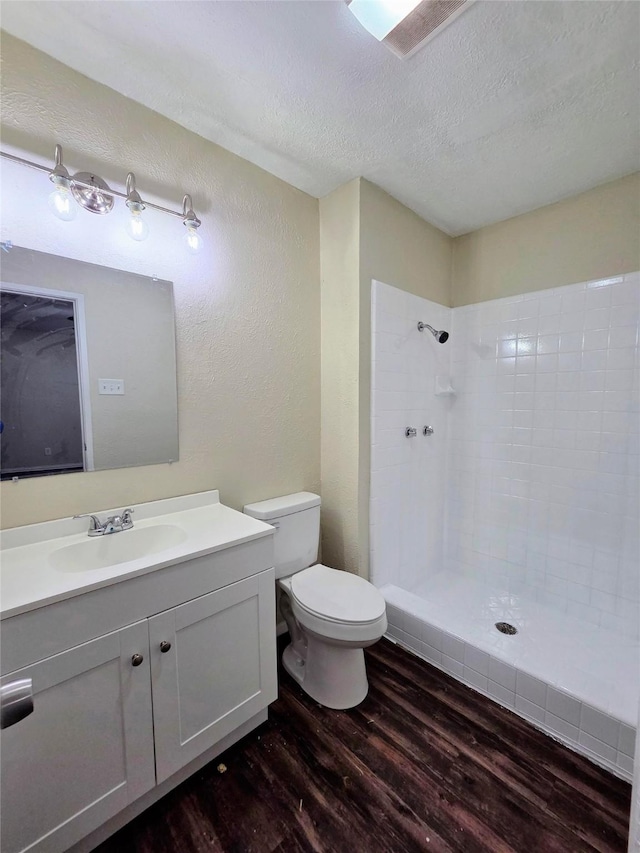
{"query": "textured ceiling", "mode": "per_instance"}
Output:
(515, 105)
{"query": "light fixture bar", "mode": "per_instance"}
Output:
(47, 169)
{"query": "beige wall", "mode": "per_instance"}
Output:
(365, 234)
(401, 249)
(247, 307)
(592, 235)
(339, 266)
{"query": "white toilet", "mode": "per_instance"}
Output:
(331, 615)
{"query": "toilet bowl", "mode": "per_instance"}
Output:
(336, 615)
(331, 615)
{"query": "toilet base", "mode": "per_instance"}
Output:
(334, 675)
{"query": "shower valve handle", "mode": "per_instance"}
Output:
(427, 430)
(410, 432)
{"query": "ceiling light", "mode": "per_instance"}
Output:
(382, 16)
(404, 26)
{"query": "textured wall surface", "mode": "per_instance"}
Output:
(340, 259)
(247, 307)
(396, 245)
(592, 235)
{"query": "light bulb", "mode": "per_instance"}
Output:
(137, 228)
(193, 240)
(62, 205)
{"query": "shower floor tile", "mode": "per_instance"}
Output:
(597, 665)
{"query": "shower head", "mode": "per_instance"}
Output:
(442, 337)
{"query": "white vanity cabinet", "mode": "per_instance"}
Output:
(86, 751)
(212, 668)
(135, 685)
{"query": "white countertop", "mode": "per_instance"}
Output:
(29, 578)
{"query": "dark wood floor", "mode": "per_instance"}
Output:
(424, 764)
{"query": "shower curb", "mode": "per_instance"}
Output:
(579, 734)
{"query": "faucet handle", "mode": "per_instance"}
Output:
(94, 524)
(125, 515)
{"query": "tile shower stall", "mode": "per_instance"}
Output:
(521, 506)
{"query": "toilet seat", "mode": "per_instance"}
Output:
(332, 617)
(336, 596)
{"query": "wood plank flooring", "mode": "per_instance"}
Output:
(424, 764)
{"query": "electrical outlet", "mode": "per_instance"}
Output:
(47, 451)
(111, 386)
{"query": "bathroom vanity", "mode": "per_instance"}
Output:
(149, 652)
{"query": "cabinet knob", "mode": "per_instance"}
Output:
(136, 660)
(165, 646)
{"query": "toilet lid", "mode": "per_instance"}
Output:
(337, 595)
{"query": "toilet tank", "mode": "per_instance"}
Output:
(297, 522)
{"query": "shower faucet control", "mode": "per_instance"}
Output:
(428, 430)
(410, 432)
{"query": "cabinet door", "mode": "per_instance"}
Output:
(86, 751)
(219, 671)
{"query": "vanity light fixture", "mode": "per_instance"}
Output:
(61, 202)
(92, 193)
(191, 223)
(137, 228)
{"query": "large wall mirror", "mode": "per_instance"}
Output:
(88, 367)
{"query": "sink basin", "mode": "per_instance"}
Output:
(54, 561)
(114, 548)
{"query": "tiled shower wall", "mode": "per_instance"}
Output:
(543, 453)
(408, 475)
(534, 462)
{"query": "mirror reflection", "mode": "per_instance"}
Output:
(88, 367)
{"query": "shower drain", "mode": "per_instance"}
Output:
(506, 628)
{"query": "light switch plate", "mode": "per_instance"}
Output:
(111, 386)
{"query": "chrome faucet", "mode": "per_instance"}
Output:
(113, 524)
